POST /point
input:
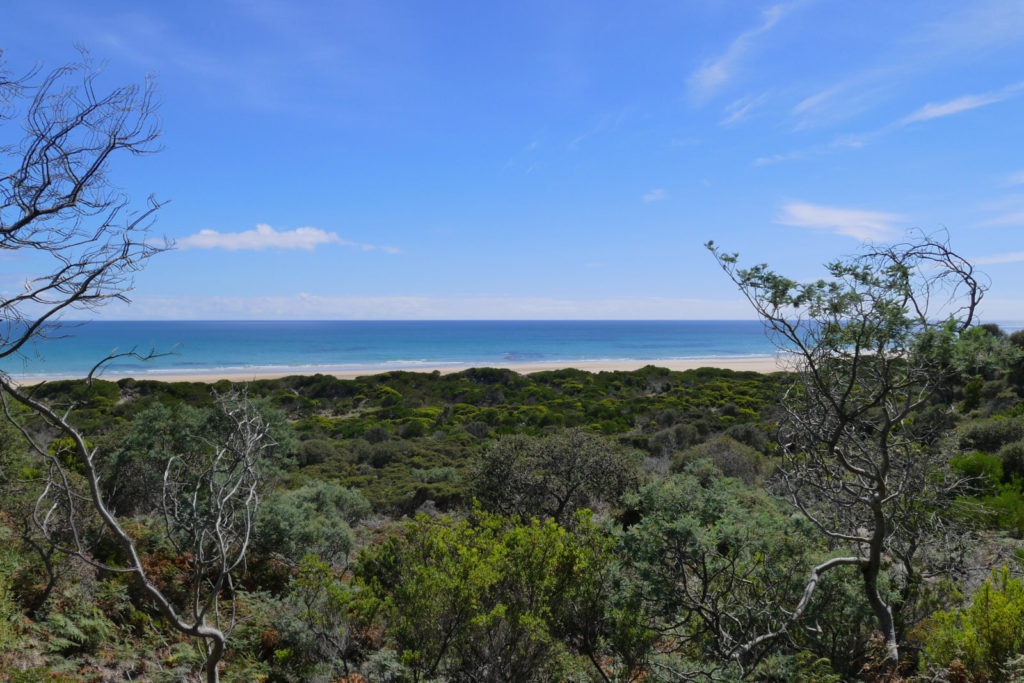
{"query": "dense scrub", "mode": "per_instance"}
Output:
(486, 525)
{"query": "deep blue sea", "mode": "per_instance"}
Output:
(200, 347)
(212, 347)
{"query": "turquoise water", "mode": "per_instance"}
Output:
(311, 346)
(201, 347)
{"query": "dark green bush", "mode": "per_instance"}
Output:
(1012, 457)
(314, 452)
(377, 434)
(733, 458)
(990, 434)
(385, 452)
(749, 433)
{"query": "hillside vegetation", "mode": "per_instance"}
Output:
(489, 526)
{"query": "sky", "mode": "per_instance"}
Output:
(547, 159)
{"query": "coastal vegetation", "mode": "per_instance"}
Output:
(462, 547)
(857, 518)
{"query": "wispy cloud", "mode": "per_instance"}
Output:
(706, 81)
(867, 226)
(1010, 257)
(958, 36)
(926, 113)
(525, 158)
(265, 237)
(781, 157)
(1013, 218)
(655, 195)
(848, 97)
(1015, 178)
(738, 111)
(842, 142)
(962, 104)
(605, 124)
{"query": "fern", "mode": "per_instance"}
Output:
(76, 633)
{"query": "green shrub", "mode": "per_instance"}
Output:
(480, 430)
(985, 469)
(666, 441)
(983, 636)
(1012, 458)
(311, 519)
(386, 452)
(1007, 506)
(377, 434)
(9, 611)
(749, 433)
(436, 474)
(990, 434)
(414, 427)
(314, 451)
(493, 598)
(80, 626)
(733, 458)
(553, 475)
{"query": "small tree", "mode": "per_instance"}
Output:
(707, 565)
(870, 346)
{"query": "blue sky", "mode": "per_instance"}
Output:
(548, 159)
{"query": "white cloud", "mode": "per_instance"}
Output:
(926, 113)
(847, 98)
(265, 237)
(961, 104)
(962, 35)
(655, 195)
(1010, 257)
(740, 109)
(866, 226)
(307, 306)
(713, 74)
(1015, 178)
(842, 142)
(784, 156)
(818, 99)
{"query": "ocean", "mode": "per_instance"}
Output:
(229, 347)
(211, 347)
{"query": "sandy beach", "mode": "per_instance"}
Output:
(758, 364)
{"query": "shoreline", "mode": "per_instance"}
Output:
(762, 364)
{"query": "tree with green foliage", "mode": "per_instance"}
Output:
(494, 599)
(870, 346)
(136, 469)
(708, 564)
(553, 475)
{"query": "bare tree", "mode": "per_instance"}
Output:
(60, 212)
(870, 346)
(209, 501)
(57, 206)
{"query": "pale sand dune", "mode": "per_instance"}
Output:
(760, 364)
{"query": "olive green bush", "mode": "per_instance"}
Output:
(983, 636)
